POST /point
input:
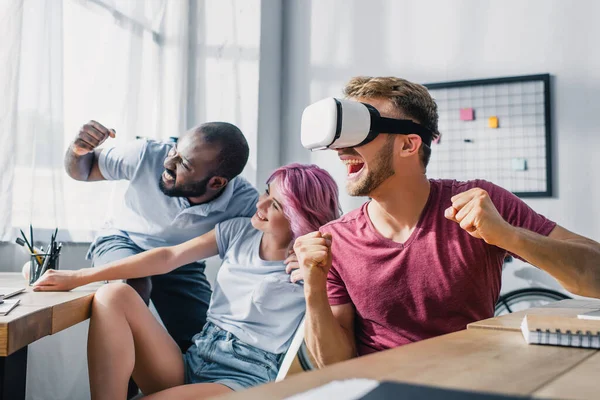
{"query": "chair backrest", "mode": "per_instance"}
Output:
(291, 352)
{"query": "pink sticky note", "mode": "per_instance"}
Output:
(466, 114)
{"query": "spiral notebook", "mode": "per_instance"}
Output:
(561, 331)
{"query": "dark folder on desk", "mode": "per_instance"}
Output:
(401, 391)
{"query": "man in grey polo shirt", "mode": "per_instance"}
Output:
(176, 192)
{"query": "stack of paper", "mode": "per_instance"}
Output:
(350, 389)
(7, 305)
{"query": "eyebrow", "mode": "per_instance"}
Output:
(182, 157)
(274, 199)
(186, 160)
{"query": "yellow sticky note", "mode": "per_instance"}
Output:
(493, 122)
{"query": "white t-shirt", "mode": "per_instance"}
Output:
(253, 298)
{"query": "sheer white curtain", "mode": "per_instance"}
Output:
(64, 62)
(11, 12)
(122, 63)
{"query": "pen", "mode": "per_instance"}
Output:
(56, 254)
(32, 250)
(25, 240)
(44, 267)
(50, 262)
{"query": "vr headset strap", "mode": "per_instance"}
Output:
(402, 126)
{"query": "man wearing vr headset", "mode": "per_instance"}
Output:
(423, 257)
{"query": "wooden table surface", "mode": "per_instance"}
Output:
(487, 360)
(512, 322)
(41, 314)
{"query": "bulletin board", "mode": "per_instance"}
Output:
(495, 129)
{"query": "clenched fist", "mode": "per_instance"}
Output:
(90, 136)
(474, 211)
(314, 258)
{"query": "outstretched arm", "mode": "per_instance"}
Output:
(152, 262)
(570, 258)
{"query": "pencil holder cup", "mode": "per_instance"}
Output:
(40, 263)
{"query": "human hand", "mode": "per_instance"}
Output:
(477, 215)
(292, 267)
(58, 281)
(313, 252)
(90, 136)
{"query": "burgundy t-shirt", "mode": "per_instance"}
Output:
(436, 282)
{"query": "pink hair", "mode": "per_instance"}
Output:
(310, 196)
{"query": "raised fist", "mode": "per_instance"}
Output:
(90, 136)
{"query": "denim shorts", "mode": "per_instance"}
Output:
(217, 356)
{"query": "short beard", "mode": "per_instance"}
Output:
(196, 189)
(381, 170)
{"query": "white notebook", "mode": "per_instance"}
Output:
(561, 331)
(349, 389)
(7, 305)
(595, 315)
(6, 292)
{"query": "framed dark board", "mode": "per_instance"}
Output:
(495, 129)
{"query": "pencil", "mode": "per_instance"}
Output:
(26, 241)
(32, 249)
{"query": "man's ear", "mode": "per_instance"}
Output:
(410, 145)
(217, 182)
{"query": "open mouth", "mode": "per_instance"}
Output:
(260, 216)
(168, 176)
(354, 166)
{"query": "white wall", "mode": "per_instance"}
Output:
(327, 42)
(235, 65)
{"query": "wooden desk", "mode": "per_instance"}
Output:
(36, 316)
(512, 322)
(487, 360)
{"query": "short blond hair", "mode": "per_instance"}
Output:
(410, 99)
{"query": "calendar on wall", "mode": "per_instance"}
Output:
(495, 129)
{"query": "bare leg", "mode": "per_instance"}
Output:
(191, 392)
(143, 286)
(124, 340)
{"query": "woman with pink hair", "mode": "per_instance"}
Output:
(254, 311)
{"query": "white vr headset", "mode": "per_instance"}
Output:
(335, 124)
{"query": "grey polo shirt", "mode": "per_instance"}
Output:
(150, 218)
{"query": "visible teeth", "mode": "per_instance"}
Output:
(167, 176)
(260, 216)
(348, 162)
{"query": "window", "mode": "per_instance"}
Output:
(81, 60)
